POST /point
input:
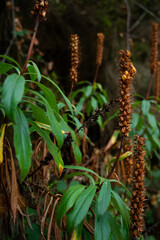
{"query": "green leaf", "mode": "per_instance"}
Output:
(5, 67)
(102, 230)
(81, 168)
(37, 71)
(65, 98)
(104, 198)
(114, 227)
(22, 143)
(51, 146)
(50, 97)
(152, 120)
(11, 60)
(32, 72)
(55, 126)
(67, 201)
(80, 208)
(77, 152)
(12, 93)
(39, 114)
(80, 104)
(121, 207)
(88, 91)
(94, 103)
(145, 107)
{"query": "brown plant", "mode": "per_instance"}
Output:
(129, 160)
(74, 44)
(138, 196)
(127, 71)
(154, 48)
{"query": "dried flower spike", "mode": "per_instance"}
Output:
(154, 48)
(74, 44)
(100, 40)
(40, 8)
(138, 196)
(127, 71)
(129, 160)
(157, 83)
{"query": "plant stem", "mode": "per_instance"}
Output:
(149, 86)
(72, 85)
(119, 152)
(31, 45)
(96, 74)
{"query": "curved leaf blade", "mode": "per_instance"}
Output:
(67, 201)
(80, 208)
(22, 143)
(104, 198)
(12, 93)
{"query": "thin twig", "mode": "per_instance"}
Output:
(138, 21)
(96, 74)
(149, 86)
(119, 152)
(146, 10)
(72, 86)
(128, 23)
(31, 45)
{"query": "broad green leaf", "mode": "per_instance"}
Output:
(102, 230)
(121, 207)
(56, 86)
(5, 67)
(77, 152)
(40, 114)
(32, 72)
(80, 104)
(12, 93)
(120, 183)
(11, 59)
(145, 107)
(81, 168)
(104, 198)
(80, 208)
(50, 97)
(37, 71)
(55, 126)
(94, 103)
(2, 132)
(67, 201)
(22, 143)
(114, 227)
(51, 146)
(152, 120)
(88, 91)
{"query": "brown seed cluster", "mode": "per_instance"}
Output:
(154, 48)
(74, 44)
(129, 160)
(138, 196)
(100, 40)
(40, 8)
(157, 82)
(127, 71)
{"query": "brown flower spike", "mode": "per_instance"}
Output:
(154, 48)
(127, 71)
(129, 160)
(100, 40)
(74, 44)
(40, 8)
(138, 196)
